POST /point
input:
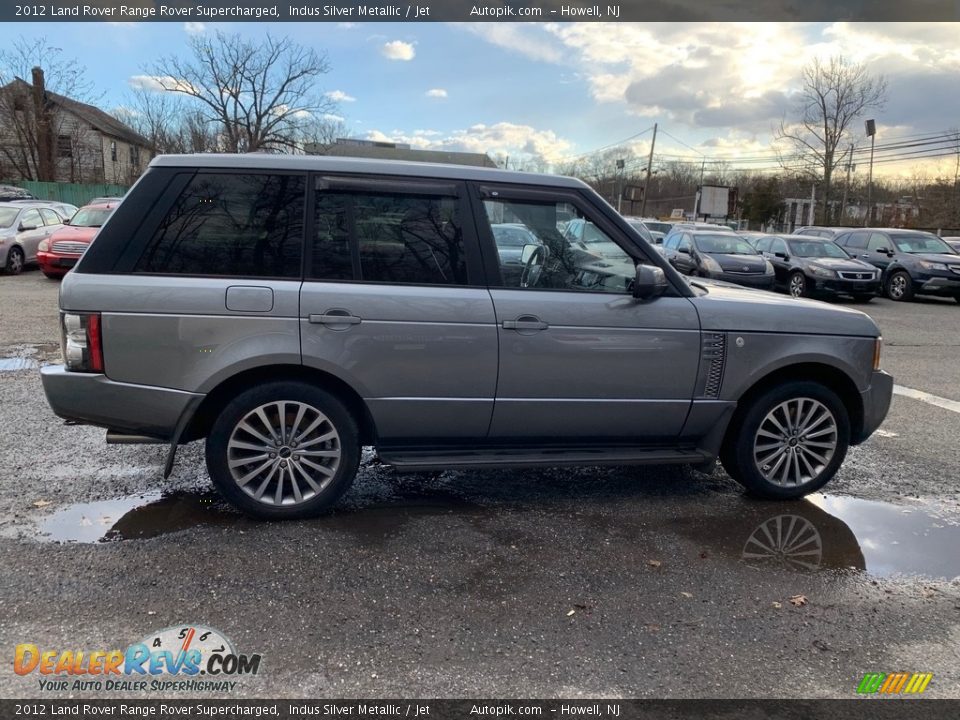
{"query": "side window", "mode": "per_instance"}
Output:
(50, 217)
(857, 240)
(763, 245)
(534, 255)
(670, 242)
(31, 218)
(388, 237)
(841, 240)
(248, 225)
(685, 243)
(778, 246)
(879, 241)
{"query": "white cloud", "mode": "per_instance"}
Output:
(194, 28)
(339, 96)
(520, 142)
(330, 117)
(529, 40)
(398, 50)
(436, 93)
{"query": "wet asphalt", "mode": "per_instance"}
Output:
(620, 582)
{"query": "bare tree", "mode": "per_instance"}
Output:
(29, 126)
(835, 93)
(260, 94)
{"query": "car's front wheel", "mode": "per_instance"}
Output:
(283, 450)
(789, 441)
(899, 286)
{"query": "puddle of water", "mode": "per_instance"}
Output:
(14, 364)
(825, 532)
(820, 533)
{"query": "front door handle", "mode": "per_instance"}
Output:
(525, 322)
(334, 317)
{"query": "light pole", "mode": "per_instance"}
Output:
(871, 127)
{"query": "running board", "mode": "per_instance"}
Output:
(415, 459)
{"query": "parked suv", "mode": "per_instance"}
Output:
(290, 310)
(911, 262)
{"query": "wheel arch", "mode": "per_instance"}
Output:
(826, 375)
(217, 398)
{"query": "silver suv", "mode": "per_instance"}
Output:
(290, 310)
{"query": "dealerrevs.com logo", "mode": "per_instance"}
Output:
(900, 683)
(178, 658)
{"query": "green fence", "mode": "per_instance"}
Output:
(73, 193)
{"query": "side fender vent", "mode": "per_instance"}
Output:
(713, 357)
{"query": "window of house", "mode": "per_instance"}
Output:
(113, 151)
(248, 225)
(388, 237)
(134, 156)
(64, 146)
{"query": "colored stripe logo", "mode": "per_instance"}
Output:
(894, 683)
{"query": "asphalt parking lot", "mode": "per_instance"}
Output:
(635, 582)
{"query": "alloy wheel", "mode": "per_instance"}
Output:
(284, 453)
(795, 442)
(898, 286)
(797, 285)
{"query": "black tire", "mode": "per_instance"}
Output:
(898, 286)
(797, 285)
(52, 276)
(15, 261)
(742, 441)
(321, 406)
(864, 298)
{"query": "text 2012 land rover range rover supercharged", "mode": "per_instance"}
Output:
(292, 309)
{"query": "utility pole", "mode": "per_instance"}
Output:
(871, 127)
(620, 170)
(843, 203)
(646, 184)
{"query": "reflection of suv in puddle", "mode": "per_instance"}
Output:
(289, 310)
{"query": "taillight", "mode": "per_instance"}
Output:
(82, 344)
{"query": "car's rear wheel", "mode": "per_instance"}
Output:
(283, 450)
(15, 261)
(52, 276)
(788, 442)
(899, 286)
(797, 284)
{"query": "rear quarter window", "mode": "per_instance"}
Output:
(233, 225)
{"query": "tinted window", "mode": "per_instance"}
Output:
(779, 246)
(763, 245)
(921, 243)
(247, 225)
(857, 240)
(388, 237)
(878, 241)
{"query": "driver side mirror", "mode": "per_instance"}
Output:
(782, 256)
(684, 250)
(884, 251)
(650, 282)
(26, 228)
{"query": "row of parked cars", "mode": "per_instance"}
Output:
(821, 262)
(51, 234)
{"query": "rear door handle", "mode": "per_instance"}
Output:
(525, 322)
(334, 318)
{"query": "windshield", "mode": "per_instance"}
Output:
(658, 226)
(511, 236)
(814, 249)
(921, 244)
(90, 217)
(641, 228)
(7, 216)
(724, 244)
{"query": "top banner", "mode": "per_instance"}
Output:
(467, 11)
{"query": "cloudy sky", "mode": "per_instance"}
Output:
(556, 91)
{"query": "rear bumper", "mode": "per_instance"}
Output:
(876, 404)
(95, 400)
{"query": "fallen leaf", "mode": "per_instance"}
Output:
(42, 503)
(654, 563)
(686, 594)
(776, 604)
(798, 600)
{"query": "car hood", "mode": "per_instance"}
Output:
(728, 307)
(936, 257)
(739, 263)
(838, 263)
(76, 234)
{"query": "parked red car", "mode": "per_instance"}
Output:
(60, 252)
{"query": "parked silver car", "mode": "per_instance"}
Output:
(290, 310)
(23, 225)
